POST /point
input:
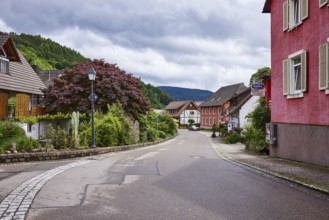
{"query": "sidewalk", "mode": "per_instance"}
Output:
(311, 176)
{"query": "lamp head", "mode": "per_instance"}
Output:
(91, 73)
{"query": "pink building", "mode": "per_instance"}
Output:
(300, 79)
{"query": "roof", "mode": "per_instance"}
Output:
(21, 77)
(224, 94)
(180, 106)
(8, 48)
(237, 107)
(267, 6)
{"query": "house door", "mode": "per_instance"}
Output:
(3, 105)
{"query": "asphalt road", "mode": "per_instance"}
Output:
(180, 179)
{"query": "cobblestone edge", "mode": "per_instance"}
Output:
(59, 155)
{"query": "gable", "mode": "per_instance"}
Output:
(20, 77)
(8, 48)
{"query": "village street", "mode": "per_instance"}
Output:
(180, 179)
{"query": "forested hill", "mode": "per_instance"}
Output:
(179, 93)
(47, 54)
(158, 98)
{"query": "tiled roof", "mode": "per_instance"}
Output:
(224, 94)
(21, 77)
(179, 106)
(175, 105)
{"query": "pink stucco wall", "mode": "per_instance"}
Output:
(313, 109)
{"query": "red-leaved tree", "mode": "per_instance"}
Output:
(70, 92)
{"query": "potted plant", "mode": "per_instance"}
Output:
(11, 107)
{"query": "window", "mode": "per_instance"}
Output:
(210, 121)
(294, 75)
(294, 12)
(324, 67)
(323, 3)
(4, 65)
(214, 111)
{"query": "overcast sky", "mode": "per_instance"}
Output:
(202, 44)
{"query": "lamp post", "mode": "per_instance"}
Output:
(92, 97)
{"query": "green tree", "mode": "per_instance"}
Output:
(256, 75)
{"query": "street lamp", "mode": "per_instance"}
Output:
(92, 97)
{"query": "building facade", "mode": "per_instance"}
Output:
(183, 111)
(20, 86)
(215, 110)
(299, 77)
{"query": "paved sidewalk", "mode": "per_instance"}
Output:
(315, 177)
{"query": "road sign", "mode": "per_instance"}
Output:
(92, 97)
(257, 86)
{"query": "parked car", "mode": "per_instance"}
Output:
(193, 128)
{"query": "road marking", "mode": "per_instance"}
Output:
(130, 179)
(17, 203)
(147, 155)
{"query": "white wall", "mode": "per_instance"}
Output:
(248, 107)
(186, 115)
(39, 128)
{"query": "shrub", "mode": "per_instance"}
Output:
(60, 139)
(255, 139)
(233, 138)
(161, 134)
(26, 144)
(9, 129)
(107, 131)
(152, 134)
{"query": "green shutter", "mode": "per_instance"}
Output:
(304, 72)
(323, 66)
(322, 3)
(304, 9)
(285, 16)
(286, 77)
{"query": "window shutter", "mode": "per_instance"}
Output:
(323, 66)
(304, 9)
(3, 105)
(322, 3)
(285, 16)
(286, 77)
(304, 72)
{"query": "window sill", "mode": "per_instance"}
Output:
(294, 26)
(327, 91)
(295, 96)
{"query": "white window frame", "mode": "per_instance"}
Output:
(323, 3)
(4, 60)
(289, 72)
(324, 67)
(294, 13)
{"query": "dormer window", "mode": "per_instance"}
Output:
(4, 65)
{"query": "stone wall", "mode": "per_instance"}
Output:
(66, 154)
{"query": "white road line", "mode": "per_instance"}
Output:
(17, 203)
(148, 155)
